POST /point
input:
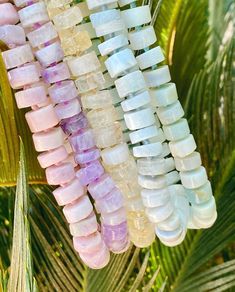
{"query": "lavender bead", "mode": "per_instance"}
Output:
(56, 73)
(74, 124)
(63, 91)
(90, 173)
(87, 156)
(115, 232)
(101, 187)
(119, 246)
(82, 141)
(111, 202)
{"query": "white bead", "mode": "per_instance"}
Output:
(157, 77)
(189, 162)
(125, 2)
(150, 58)
(50, 54)
(116, 155)
(86, 27)
(201, 194)
(93, 4)
(160, 137)
(177, 131)
(137, 16)
(195, 178)
(68, 18)
(141, 39)
(84, 64)
(172, 177)
(137, 101)
(115, 97)
(152, 182)
(182, 206)
(35, 13)
(170, 164)
(151, 166)
(148, 150)
(183, 147)
(161, 213)
(171, 223)
(143, 134)
(198, 223)
(164, 95)
(169, 236)
(177, 190)
(113, 44)
(130, 83)
(176, 242)
(120, 62)
(155, 198)
(139, 119)
(205, 210)
(104, 17)
(165, 150)
(171, 113)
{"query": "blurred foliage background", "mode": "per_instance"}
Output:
(36, 251)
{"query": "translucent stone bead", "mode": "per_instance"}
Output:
(45, 141)
(141, 39)
(205, 210)
(157, 77)
(74, 124)
(87, 156)
(52, 157)
(114, 218)
(150, 58)
(60, 174)
(101, 187)
(139, 118)
(58, 3)
(8, 14)
(84, 227)
(177, 131)
(116, 155)
(183, 147)
(94, 4)
(89, 82)
(50, 54)
(90, 173)
(137, 101)
(87, 27)
(97, 100)
(56, 73)
(152, 182)
(195, 178)
(161, 213)
(148, 150)
(189, 162)
(42, 35)
(102, 117)
(68, 109)
(111, 202)
(68, 18)
(151, 166)
(108, 136)
(170, 114)
(137, 16)
(113, 44)
(155, 198)
(82, 141)
(144, 134)
(201, 194)
(63, 92)
(90, 243)
(164, 95)
(12, 35)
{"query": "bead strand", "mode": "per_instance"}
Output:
(170, 112)
(108, 198)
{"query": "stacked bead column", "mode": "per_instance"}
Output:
(169, 217)
(49, 139)
(108, 198)
(170, 112)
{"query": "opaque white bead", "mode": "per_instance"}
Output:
(139, 119)
(164, 95)
(143, 38)
(120, 62)
(183, 147)
(93, 4)
(158, 77)
(125, 2)
(171, 113)
(172, 177)
(161, 213)
(137, 101)
(177, 131)
(151, 166)
(152, 182)
(113, 44)
(195, 178)
(143, 134)
(136, 16)
(189, 162)
(155, 198)
(205, 210)
(201, 194)
(150, 58)
(148, 150)
(115, 155)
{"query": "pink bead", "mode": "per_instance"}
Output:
(69, 193)
(50, 55)
(33, 14)
(42, 35)
(23, 76)
(98, 259)
(82, 141)
(70, 159)
(42, 119)
(8, 14)
(49, 140)
(63, 92)
(52, 157)
(87, 156)
(31, 96)
(12, 35)
(88, 244)
(18, 56)
(68, 109)
(56, 73)
(114, 218)
(60, 174)
(84, 227)
(90, 173)
(111, 202)
(101, 187)
(78, 210)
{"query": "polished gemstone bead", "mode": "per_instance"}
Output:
(108, 136)
(114, 218)
(170, 114)
(160, 213)
(102, 117)
(183, 147)
(60, 174)
(84, 227)
(157, 77)
(90, 173)
(74, 124)
(116, 155)
(8, 14)
(56, 73)
(68, 18)
(201, 194)
(97, 100)
(101, 187)
(87, 156)
(12, 35)
(155, 198)
(177, 131)
(51, 54)
(164, 95)
(68, 109)
(58, 3)
(90, 243)
(189, 162)
(52, 157)
(195, 178)
(82, 141)
(90, 82)
(151, 166)
(114, 232)
(63, 91)
(111, 202)
(51, 139)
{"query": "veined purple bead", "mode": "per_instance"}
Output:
(62, 92)
(90, 173)
(101, 187)
(111, 202)
(114, 218)
(87, 156)
(115, 232)
(74, 124)
(56, 73)
(82, 141)
(119, 246)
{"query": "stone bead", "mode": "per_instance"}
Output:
(160, 213)
(171, 223)
(23, 76)
(17, 57)
(87, 156)
(74, 124)
(114, 232)
(171, 113)
(63, 91)
(12, 35)
(8, 14)
(94, 4)
(97, 100)
(84, 227)
(144, 134)
(205, 210)
(78, 210)
(31, 96)
(148, 150)
(92, 81)
(56, 73)
(68, 193)
(114, 218)
(116, 155)
(198, 223)
(82, 141)
(88, 28)
(201, 194)
(151, 166)
(164, 95)
(152, 182)
(52, 157)
(60, 174)
(139, 119)
(172, 177)
(68, 18)
(71, 160)
(113, 44)
(177, 131)
(90, 173)
(90, 243)
(74, 42)
(111, 202)
(33, 14)
(189, 162)
(49, 140)
(170, 238)
(101, 187)
(108, 136)
(58, 3)
(102, 117)
(157, 77)
(68, 109)
(50, 54)
(44, 34)
(183, 147)
(195, 178)
(150, 58)
(141, 39)
(137, 101)
(137, 16)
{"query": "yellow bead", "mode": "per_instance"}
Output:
(89, 82)
(102, 117)
(68, 18)
(108, 136)
(97, 100)
(58, 3)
